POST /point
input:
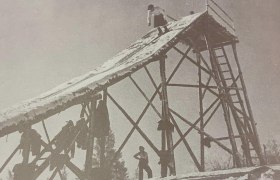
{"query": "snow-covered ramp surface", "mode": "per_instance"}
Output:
(138, 54)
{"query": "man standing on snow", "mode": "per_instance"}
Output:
(142, 156)
(159, 18)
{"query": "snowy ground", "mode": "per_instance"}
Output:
(252, 173)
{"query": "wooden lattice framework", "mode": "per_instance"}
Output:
(210, 42)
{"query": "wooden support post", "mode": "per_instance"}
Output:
(200, 96)
(26, 148)
(166, 133)
(151, 99)
(253, 123)
(135, 125)
(102, 140)
(90, 143)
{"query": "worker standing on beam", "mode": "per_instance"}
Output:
(142, 156)
(159, 18)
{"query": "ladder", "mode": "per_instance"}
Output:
(234, 101)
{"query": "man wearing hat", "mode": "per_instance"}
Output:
(142, 156)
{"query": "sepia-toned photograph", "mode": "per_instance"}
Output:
(139, 89)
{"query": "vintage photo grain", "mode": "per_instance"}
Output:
(139, 89)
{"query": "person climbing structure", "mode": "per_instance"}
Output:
(165, 162)
(159, 18)
(142, 156)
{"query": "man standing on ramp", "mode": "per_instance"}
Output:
(159, 18)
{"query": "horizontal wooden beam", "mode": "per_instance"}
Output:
(192, 86)
(226, 138)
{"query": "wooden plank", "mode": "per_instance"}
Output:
(200, 99)
(166, 134)
(90, 140)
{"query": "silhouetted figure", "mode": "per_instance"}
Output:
(24, 171)
(164, 160)
(64, 139)
(142, 156)
(101, 126)
(159, 18)
(82, 137)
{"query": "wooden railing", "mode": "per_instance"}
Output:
(218, 11)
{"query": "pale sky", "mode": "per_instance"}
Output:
(47, 42)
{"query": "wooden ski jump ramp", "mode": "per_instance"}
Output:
(208, 41)
(142, 52)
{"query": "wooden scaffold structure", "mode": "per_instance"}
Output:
(206, 44)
